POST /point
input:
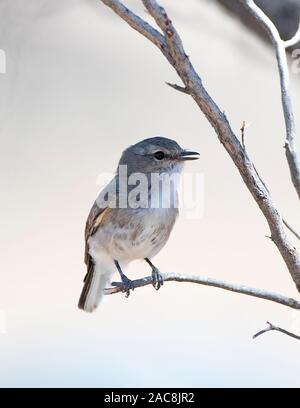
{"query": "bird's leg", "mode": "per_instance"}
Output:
(126, 283)
(157, 279)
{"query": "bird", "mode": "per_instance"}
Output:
(133, 216)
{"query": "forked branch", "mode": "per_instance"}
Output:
(276, 328)
(286, 99)
(294, 40)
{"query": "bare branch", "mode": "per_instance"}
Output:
(175, 53)
(294, 40)
(203, 280)
(272, 327)
(165, 24)
(280, 48)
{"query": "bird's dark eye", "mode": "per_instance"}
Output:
(159, 155)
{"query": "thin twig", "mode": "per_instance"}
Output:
(203, 280)
(295, 39)
(174, 51)
(272, 327)
(286, 99)
(292, 230)
(179, 88)
(243, 128)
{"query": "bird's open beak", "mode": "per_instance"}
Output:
(187, 155)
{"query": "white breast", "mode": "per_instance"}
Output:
(139, 233)
(142, 236)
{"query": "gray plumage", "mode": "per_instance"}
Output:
(114, 234)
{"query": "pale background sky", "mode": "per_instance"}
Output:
(80, 87)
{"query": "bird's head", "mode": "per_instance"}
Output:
(156, 155)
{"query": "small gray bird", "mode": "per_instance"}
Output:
(132, 220)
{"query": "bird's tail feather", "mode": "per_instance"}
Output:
(95, 282)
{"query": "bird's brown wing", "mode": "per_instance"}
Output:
(96, 215)
(95, 218)
(92, 224)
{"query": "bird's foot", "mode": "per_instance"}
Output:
(126, 285)
(157, 279)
